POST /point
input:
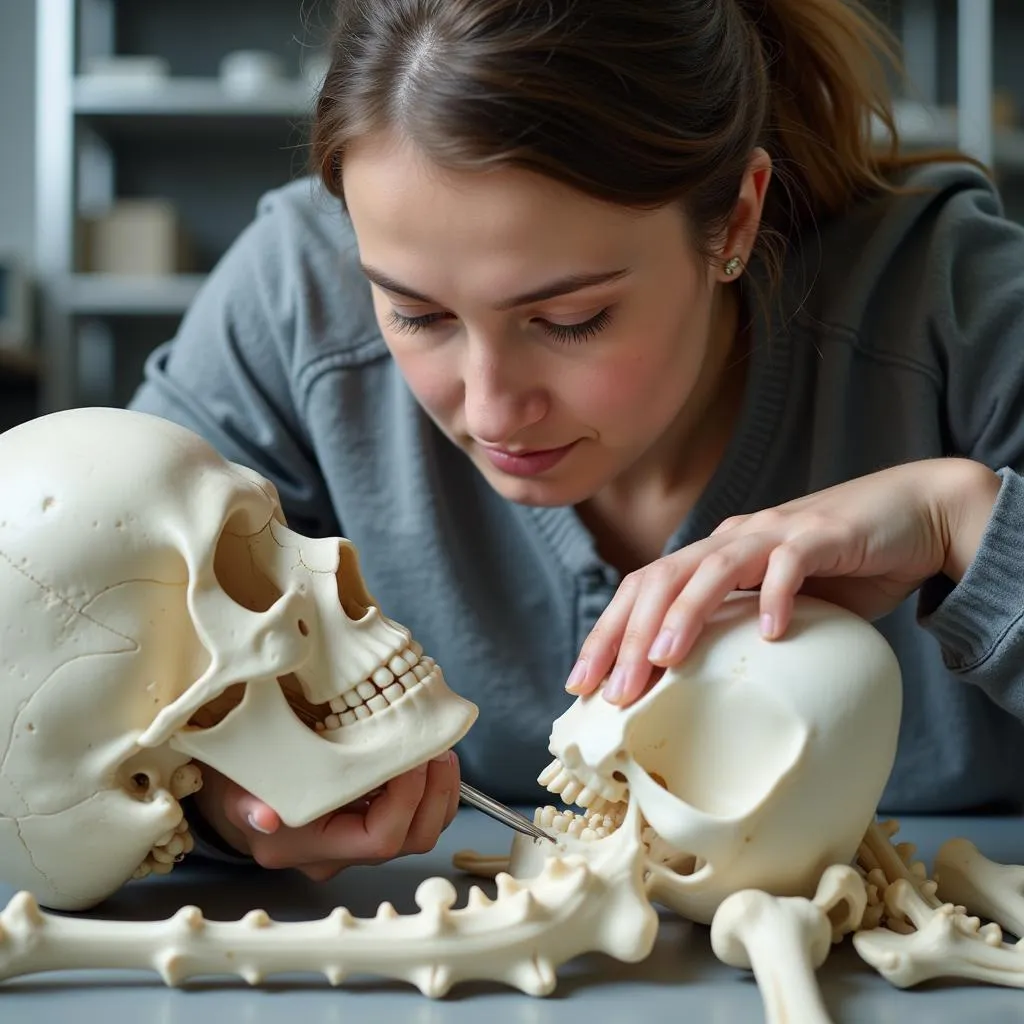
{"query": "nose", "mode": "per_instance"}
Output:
(502, 396)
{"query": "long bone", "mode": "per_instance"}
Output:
(994, 891)
(575, 905)
(946, 943)
(784, 940)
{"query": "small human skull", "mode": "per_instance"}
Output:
(155, 608)
(756, 764)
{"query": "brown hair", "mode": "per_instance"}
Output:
(637, 102)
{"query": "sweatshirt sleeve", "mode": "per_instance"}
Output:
(979, 622)
(976, 323)
(228, 373)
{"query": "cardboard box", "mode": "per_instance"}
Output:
(136, 236)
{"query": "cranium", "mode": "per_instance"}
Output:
(155, 608)
(756, 764)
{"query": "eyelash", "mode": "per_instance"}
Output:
(567, 333)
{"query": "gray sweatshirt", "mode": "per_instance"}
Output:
(899, 335)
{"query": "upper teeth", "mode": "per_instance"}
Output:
(593, 793)
(384, 687)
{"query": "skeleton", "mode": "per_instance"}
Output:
(155, 609)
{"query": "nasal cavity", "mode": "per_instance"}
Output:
(352, 593)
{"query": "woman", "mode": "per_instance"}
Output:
(605, 309)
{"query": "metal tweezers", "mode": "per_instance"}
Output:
(500, 812)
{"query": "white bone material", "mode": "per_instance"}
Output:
(945, 943)
(155, 608)
(995, 891)
(756, 763)
(575, 905)
(784, 940)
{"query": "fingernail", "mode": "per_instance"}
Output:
(443, 758)
(767, 626)
(662, 646)
(614, 687)
(254, 824)
(576, 676)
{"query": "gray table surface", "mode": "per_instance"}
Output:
(680, 981)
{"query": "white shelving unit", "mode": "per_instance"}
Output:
(89, 126)
(84, 124)
(187, 97)
(107, 294)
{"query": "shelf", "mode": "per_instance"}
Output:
(188, 97)
(110, 294)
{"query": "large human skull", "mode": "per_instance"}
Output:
(155, 608)
(756, 764)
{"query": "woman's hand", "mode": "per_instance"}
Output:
(407, 815)
(865, 544)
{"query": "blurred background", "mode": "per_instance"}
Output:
(137, 135)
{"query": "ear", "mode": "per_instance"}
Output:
(745, 221)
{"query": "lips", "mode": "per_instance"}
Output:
(526, 463)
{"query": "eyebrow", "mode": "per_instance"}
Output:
(563, 286)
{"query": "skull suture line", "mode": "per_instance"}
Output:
(155, 608)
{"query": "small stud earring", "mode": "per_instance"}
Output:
(732, 266)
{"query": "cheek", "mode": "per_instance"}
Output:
(431, 379)
(645, 374)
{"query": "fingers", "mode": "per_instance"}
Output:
(737, 565)
(259, 816)
(453, 796)
(406, 816)
(597, 655)
(784, 576)
(431, 816)
(659, 613)
(426, 827)
(679, 598)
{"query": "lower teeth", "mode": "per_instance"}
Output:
(587, 826)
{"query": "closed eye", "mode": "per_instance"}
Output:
(572, 333)
(412, 324)
(569, 333)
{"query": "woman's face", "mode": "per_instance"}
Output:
(554, 338)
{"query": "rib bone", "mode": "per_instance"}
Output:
(785, 939)
(574, 905)
(946, 944)
(994, 891)
(883, 863)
